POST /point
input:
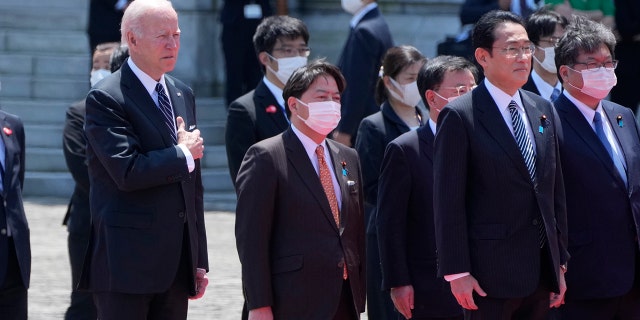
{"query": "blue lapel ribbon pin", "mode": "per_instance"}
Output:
(619, 120)
(543, 124)
(344, 169)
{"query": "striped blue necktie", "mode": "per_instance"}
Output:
(165, 107)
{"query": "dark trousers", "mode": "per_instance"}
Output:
(346, 308)
(242, 69)
(82, 306)
(170, 305)
(379, 304)
(532, 307)
(628, 73)
(13, 293)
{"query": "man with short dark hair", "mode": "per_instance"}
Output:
(281, 44)
(300, 219)
(405, 203)
(599, 149)
(499, 195)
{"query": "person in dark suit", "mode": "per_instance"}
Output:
(299, 219)
(600, 152)
(405, 207)
(15, 246)
(627, 16)
(368, 41)
(240, 19)
(500, 216)
(78, 216)
(545, 28)
(472, 10)
(281, 43)
(397, 93)
(104, 21)
(147, 253)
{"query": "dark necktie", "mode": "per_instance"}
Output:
(555, 94)
(165, 107)
(327, 185)
(529, 155)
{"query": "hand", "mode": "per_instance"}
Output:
(556, 300)
(343, 138)
(263, 313)
(402, 298)
(191, 140)
(463, 288)
(202, 281)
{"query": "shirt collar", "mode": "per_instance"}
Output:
(586, 111)
(308, 144)
(275, 91)
(545, 88)
(501, 98)
(433, 126)
(146, 80)
(360, 14)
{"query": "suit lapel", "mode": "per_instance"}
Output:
(426, 141)
(342, 176)
(493, 122)
(622, 136)
(9, 146)
(538, 121)
(297, 156)
(263, 99)
(177, 102)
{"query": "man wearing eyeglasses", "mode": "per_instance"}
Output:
(498, 188)
(281, 44)
(545, 28)
(600, 152)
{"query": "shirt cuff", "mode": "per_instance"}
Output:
(451, 277)
(191, 164)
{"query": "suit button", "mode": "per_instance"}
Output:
(3, 231)
(535, 222)
(341, 264)
(180, 214)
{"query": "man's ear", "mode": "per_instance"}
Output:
(292, 102)
(264, 58)
(481, 56)
(563, 71)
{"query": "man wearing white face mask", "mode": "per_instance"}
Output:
(598, 144)
(369, 39)
(299, 221)
(545, 28)
(281, 44)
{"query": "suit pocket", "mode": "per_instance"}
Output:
(488, 232)
(287, 264)
(139, 220)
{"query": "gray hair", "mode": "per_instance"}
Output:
(583, 35)
(132, 18)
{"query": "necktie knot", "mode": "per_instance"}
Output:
(320, 152)
(555, 94)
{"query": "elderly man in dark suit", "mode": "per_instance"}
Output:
(148, 251)
(281, 43)
(368, 41)
(600, 152)
(405, 203)
(299, 220)
(15, 246)
(500, 216)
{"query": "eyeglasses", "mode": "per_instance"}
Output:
(459, 89)
(551, 40)
(292, 52)
(513, 51)
(592, 64)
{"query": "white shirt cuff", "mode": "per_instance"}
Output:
(451, 277)
(191, 164)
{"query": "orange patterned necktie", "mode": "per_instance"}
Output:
(327, 185)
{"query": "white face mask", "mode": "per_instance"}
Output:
(286, 67)
(597, 82)
(323, 116)
(97, 75)
(549, 62)
(352, 6)
(410, 93)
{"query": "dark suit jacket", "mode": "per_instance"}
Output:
(531, 86)
(232, 11)
(627, 22)
(487, 209)
(104, 22)
(374, 133)
(74, 145)
(603, 215)
(249, 120)
(405, 225)
(289, 245)
(13, 216)
(472, 10)
(142, 194)
(360, 62)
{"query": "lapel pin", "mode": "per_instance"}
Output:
(7, 131)
(344, 169)
(270, 109)
(179, 94)
(543, 123)
(619, 120)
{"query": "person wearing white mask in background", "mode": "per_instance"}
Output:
(299, 220)
(281, 44)
(100, 61)
(545, 28)
(601, 168)
(369, 38)
(398, 96)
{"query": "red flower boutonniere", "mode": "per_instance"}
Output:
(271, 109)
(7, 131)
